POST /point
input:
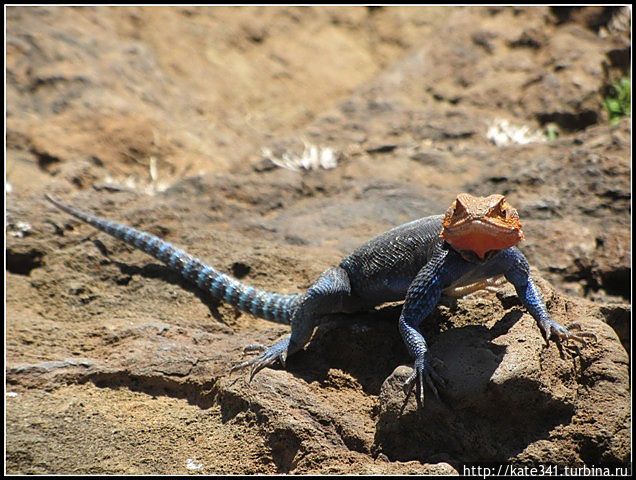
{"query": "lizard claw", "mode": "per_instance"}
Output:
(564, 336)
(423, 373)
(268, 357)
(580, 337)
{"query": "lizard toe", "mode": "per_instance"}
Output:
(569, 339)
(257, 364)
(423, 374)
(268, 357)
(581, 336)
(564, 334)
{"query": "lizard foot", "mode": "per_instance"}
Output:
(423, 373)
(565, 336)
(269, 356)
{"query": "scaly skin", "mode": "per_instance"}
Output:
(469, 248)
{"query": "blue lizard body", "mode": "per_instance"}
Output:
(409, 262)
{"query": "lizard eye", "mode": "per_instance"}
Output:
(499, 208)
(459, 210)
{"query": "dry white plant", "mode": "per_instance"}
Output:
(19, 229)
(312, 158)
(132, 182)
(193, 464)
(502, 132)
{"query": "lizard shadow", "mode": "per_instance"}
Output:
(492, 426)
(365, 345)
(482, 416)
(368, 345)
(159, 271)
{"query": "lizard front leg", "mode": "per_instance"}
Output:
(518, 273)
(329, 294)
(421, 298)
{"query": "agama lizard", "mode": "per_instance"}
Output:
(470, 247)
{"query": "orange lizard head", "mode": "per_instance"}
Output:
(481, 225)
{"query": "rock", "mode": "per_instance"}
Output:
(510, 399)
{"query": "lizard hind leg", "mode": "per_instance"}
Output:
(331, 293)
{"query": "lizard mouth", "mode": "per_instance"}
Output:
(481, 237)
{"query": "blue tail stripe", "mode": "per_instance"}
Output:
(162, 250)
(140, 240)
(246, 295)
(152, 243)
(109, 227)
(172, 262)
(121, 230)
(266, 308)
(203, 275)
(256, 303)
(275, 312)
(283, 306)
(128, 235)
(229, 291)
(215, 286)
(188, 268)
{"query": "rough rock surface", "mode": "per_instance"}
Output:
(162, 119)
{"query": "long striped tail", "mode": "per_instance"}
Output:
(263, 304)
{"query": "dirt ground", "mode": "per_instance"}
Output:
(271, 141)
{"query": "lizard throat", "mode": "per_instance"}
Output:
(481, 239)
